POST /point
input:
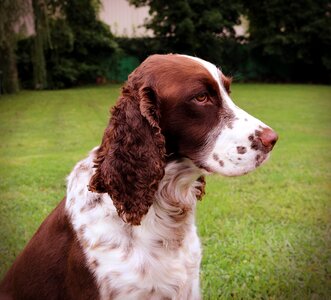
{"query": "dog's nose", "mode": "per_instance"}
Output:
(268, 138)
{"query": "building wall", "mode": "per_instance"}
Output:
(124, 19)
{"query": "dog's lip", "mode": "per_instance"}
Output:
(263, 157)
(205, 168)
(260, 159)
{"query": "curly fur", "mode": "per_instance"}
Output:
(130, 161)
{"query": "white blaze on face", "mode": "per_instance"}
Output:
(231, 153)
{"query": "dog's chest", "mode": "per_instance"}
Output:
(133, 265)
(133, 271)
(135, 262)
(158, 259)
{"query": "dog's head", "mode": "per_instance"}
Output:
(173, 107)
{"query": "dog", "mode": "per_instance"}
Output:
(126, 228)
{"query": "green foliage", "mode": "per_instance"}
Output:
(295, 34)
(289, 41)
(191, 26)
(78, 45)
(62, 71)
(265, 235)
(139, 47)
(81, 44)
(119, 66)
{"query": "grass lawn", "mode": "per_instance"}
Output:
(265, 235)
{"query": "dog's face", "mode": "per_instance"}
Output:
(200, 121)
(174, 107)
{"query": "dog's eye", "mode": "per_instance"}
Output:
(201, 98)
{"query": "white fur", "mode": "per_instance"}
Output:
(156, 260)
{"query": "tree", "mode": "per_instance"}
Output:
(11, 12)
(80, 43)
(93, 41)
(294, 36)
(40, 39)
(71, 43)
(192, 26)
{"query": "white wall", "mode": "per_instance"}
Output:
(124, 19)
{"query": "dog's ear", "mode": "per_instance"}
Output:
(130, 161)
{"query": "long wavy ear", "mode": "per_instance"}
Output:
(130, 161)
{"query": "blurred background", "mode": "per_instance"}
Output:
(51, 44)
(266, 235)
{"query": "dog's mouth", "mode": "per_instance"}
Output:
(205, 169)
(201, 165)
(261, 158)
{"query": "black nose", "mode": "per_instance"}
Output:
(268, 138)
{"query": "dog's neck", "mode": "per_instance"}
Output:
(170, 218)
(167, 230)
(178, 189)
(172, 215)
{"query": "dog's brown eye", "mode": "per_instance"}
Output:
(201, 98)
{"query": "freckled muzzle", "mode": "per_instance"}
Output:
(242, 149)
(237, 142)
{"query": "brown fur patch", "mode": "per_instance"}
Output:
(113, 294)
(241, 150)
(227, 83)
(113, 246)
(115, 274)
(215, 157)
(83, 167)
(201, 188)
(94, 264)
(143, 270)
(91, 205)
(127, 251)
(132, 289)
(81, 231)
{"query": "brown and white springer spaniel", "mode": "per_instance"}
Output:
(126, 228)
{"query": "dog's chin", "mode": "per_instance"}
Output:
(230, 169)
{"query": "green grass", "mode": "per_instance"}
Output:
(265, 235)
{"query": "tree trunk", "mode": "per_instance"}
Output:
(38, 56)
(9, 78)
